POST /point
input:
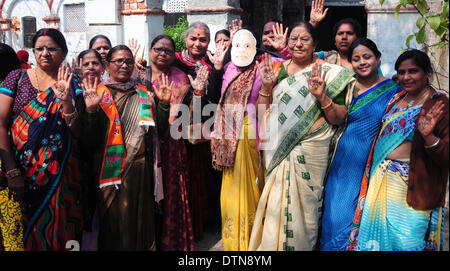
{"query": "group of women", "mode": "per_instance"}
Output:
(308, 150)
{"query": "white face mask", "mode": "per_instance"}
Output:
(243, 48)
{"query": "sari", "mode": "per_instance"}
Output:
(124, 141)
(47, 154)
(387, 222)
(287, 217)
(237, 154)
(344, 176)
(177, 230)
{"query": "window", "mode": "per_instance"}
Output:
(29, 29)
(74, 20)
(173, 6)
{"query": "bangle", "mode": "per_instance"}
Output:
(264, 94)
(434, 144)
(70, 114)
(12, 173)
(328, 105)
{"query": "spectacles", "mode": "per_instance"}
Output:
(160, 50)
(294, 40)
(49, 49)
(119, 62)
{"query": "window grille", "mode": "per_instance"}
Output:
(29, 29)
(176, 6)
(74, 19)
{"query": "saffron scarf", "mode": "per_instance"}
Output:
(114, 156)
(235, 97)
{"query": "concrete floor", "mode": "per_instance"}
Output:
(212, 239)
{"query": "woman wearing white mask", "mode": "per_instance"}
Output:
(234, 143)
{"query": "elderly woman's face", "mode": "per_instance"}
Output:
(48, 53)
(301, 44)
(91, 66)
(197, 43)
(121, 65)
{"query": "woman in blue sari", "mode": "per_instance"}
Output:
(370, 97)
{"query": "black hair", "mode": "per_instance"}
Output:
(271, 21)
(117, 48)
(355, 24)
(56, 36)
(85, 52)
(95, 38)
(311, 30)
(163, 36)
(223, 31)
(365, 42)
(10, 61)
(419, 58)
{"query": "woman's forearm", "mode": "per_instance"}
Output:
(8, 161)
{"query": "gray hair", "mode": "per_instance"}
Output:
(196, 25)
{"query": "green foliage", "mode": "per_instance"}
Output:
(177, 33)
(438, 22)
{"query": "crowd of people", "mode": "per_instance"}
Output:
(303, 150)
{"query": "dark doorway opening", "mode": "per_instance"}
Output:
(335, 14)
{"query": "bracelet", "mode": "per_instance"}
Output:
(328, 105)
(434, 144)
(12, 173)
(264, 94)
(70, 114)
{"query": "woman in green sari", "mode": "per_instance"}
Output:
(308, 100)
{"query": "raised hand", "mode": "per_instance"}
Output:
(199, 84)
(91, 98)
(219, 55)
(316, 82)
(427, 120)
(75, 67)
(234, 27)
(164, 91)
(268, 76)
(134, 47)
(279, 40)
(317, 14)
(63, 83)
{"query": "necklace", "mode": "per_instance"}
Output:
(420, 101)
(37, 80)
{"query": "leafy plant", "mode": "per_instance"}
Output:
(437, 21)
(177, 32)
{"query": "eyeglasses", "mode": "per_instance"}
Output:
(119, 62)
(160, 50)
(294, 40)
(49, 49)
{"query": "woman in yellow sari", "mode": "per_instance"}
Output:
(307, 102)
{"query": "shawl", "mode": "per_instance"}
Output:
(229, 118)
(184, 57)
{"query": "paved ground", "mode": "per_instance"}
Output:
(212, 240)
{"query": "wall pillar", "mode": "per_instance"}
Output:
(216, 14)
(143, 20)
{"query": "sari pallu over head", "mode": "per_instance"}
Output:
(294, 111)
(229, 118)
(42, 142)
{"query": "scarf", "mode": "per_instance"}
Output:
(114, 156)
(229, 118)
(184, 57)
